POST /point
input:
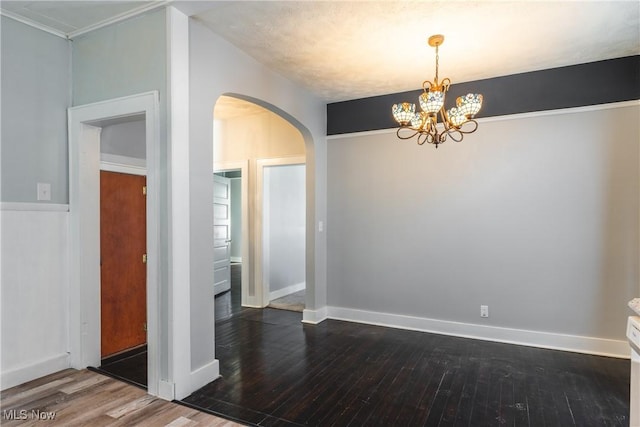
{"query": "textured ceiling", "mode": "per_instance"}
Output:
(344, 50)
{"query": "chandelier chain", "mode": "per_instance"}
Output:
(437, 63)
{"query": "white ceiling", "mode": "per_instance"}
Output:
(352, 49)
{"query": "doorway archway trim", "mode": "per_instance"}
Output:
(262, 291)
(85, 124)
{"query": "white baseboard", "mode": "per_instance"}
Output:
(313, 317)
(166, 390)
(574, 343)
(286, 291)
(199, 378)
(23, 374)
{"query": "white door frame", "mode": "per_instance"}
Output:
(261, 285)
(243, 166)
(85, 124)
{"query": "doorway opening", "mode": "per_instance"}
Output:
(281, 207)
(123, 253)
(228, 240)
(252, 138)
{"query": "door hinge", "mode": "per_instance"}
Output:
(144, 326)
(144, 190)
(144, 258)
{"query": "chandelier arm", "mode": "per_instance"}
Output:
(455, 134)
(425, 87)
(445, 119)
(408, 136)
(475, 126)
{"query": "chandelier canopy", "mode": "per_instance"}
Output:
(424, 124)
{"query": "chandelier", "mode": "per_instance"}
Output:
(455, 122)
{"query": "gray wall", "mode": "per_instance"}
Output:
(236, 218)
(536, 217)
(120, 60)
(284, 225)
(124, 59)
(124, 139)
(35, 96)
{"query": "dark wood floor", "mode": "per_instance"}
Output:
(277, 371)
(130, 366)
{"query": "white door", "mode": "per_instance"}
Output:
(221, 234)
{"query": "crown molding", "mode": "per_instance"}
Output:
(118, 18)
(70, 35)
(33, 24)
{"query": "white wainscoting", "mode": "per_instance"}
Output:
(34, 291)
(574, 343)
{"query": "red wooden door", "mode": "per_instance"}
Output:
(123, 272)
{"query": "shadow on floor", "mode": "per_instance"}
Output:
(129, 366)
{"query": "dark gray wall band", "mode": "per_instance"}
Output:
(602, 82)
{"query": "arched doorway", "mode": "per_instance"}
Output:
(262, 147)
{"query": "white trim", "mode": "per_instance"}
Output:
(179, 292)
(71, 34)
(246, 300)
(236, 259)
(571, 110)
(550, 340)
(33, 24)
(33, 207)
(259, 275)
(118, 168)
(23, 374)
(313, 317)
(116, 161)
(84, 226)
(199, 378)
(287, 291)
(166, 390)
(118, 18)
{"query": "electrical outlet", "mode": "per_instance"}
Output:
(44, 191)
(484, 311)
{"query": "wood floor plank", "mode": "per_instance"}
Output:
(83, 398)
(81, 385)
